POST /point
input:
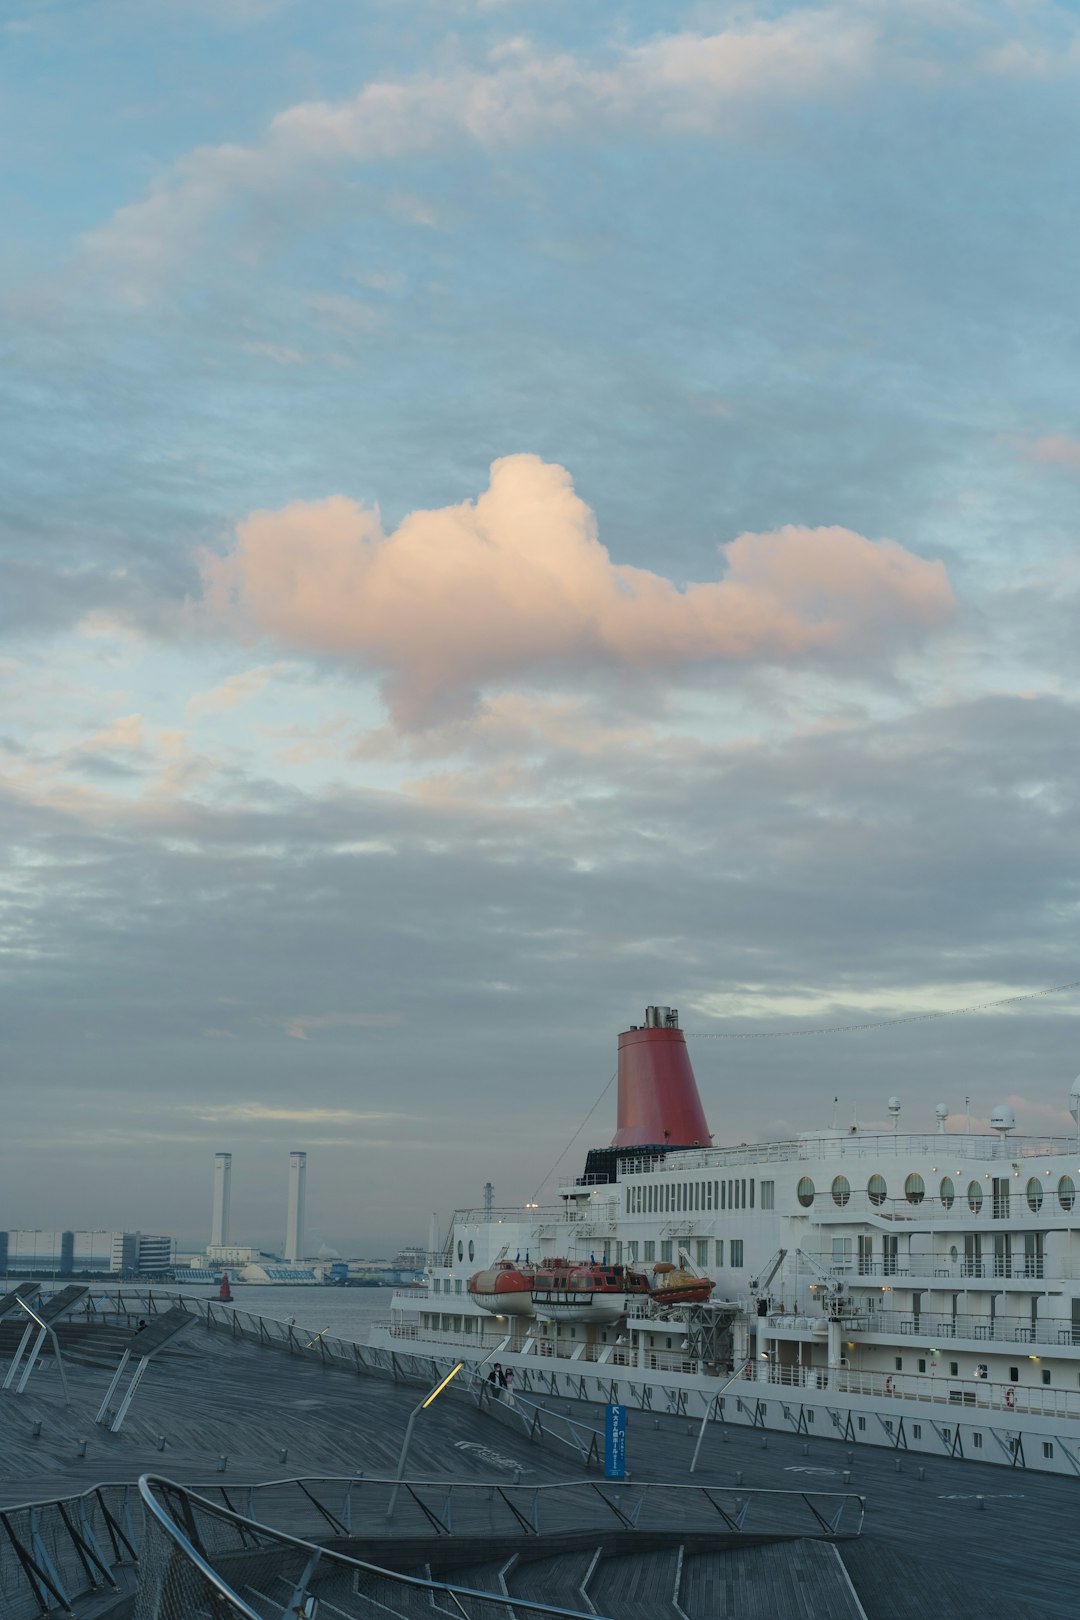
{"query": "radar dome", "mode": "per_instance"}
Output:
(942, 1111)
(1003, 1118)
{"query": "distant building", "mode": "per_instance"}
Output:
(230, 1254)
(44, 1253)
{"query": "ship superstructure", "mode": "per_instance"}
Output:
(921, 1291)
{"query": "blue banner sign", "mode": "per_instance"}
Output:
(615, 1443)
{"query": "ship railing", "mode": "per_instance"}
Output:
(936, 1387)
(204, 1559)
(933, 1326)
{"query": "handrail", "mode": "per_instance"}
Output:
(325, 1556)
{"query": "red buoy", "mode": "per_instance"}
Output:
(225, 1292)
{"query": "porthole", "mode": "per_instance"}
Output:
(914, 1188)
(1066, 1192)
(948, 1192)
(460, 1249)
(975, 1196)
(1035, 1194)
(876, 1189)
(841, 1190)
(472, 1249)
(805, 1193)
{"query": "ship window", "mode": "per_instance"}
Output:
(805, 1192)
(631, 1250)
(457, 1285)
(975, 1196)
(742, 1195)
(841, 1190)
(1035, 1194)
(736, 1253)
(708, 1195)
(914, 1188)
(629, 1195)
(876, 1190)
(731, 1195)
(665, 1248)
(1048, 1449)
(948, 1192)
(650, 1248)
(916, 1431)
(472, 1249)
(751, 1195)
(768, 1195)
(723, 1195)
(702, 1251)
(922, 1363)
(719, 1251)
(460, 1249)
(1066, 1192)
(976, 1441)
(1046, 1375)
(861, 1422)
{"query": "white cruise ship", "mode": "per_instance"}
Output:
(921, 1292)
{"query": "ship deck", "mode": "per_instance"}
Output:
(956, 1538)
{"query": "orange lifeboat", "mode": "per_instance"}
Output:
(504, 1289)
(673, 1286)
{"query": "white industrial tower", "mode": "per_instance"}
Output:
(294, 1234)
(219, 1224)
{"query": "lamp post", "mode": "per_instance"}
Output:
(749, 1362)
(432, 1395)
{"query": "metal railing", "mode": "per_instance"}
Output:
(197, 1554)
(55, 1551)
(445, 1508)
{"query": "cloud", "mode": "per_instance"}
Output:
(232, 693)
(517, 585)
(126, 734)
(672, 84)
(1058, 450)
(256, 1112)
(300, 1025)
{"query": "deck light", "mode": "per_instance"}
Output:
(440, 1387)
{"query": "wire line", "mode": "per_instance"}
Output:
(576, 1134)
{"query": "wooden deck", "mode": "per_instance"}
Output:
(955, 1539)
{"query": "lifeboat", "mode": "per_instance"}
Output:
(568, 1291)
(673, 1286)
(504, 1289)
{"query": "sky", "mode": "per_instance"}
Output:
(511, 512)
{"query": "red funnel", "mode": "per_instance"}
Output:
(659, 1104)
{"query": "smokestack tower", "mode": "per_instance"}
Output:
(219, 1222)
(659, 1104)
(294, 1235)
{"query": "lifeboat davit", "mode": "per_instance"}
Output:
(568, 1291)
(673, 1286)
(504, 1289)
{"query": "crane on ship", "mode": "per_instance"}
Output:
(834, 1299)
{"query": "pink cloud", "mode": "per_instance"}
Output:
(1059, 450)
(516, 584)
